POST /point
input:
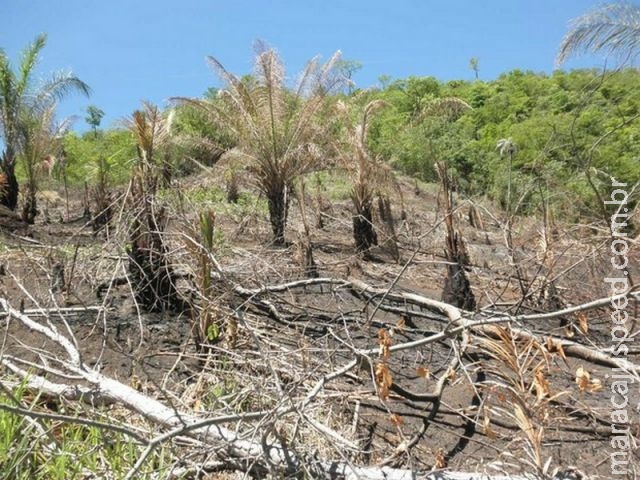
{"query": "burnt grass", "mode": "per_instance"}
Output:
(318, 328)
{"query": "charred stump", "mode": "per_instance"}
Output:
(30, 207)
(457, 288)
(150, 272)
(386, 215)
(364, 232)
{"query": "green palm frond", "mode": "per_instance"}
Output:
(23, 102)
(7, 78)
(612, 29)
(8, 100)
(28, 63)
(60, 85)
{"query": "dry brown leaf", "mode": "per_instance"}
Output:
(401, 324)
(440, 459)
(550, 345)
(383, 380)
(583, 322)
(583, 379)
(595, 385)
(561, 351)
(585, 383)
(384, 341)
(397, 420)
(555, 347)
(423, 372)
(486, 425)
(542, 385)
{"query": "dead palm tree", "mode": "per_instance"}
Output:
(18, 95)
(275, 127)
(152, 131)
(613, 29)
(372, 176)
(368, 176)
(40, 136)
(506, 147)
(150, 271)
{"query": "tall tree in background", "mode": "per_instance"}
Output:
(18, 96)
(507, 148)
(612, 29)
(348, 68)
(93, 118)
(474, 65)
(275, 128)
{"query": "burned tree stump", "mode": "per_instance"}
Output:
(364, 232)
(150, 272)
(457, 288)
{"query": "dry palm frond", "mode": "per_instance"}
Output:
(151, 129)
(272, 124)
(506, 146)
(503, 350)
(520, 362)
(39, 139)
(613, 29)
(533, 435)
(369, 174)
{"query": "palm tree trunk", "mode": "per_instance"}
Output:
(278, 199)
(30, 207)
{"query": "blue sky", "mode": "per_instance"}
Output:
(128, 51)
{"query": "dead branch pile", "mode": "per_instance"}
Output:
(338, 378)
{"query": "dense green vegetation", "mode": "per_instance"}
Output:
(86, 154)
(573, 130)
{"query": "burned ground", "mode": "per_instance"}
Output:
(498, 397)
